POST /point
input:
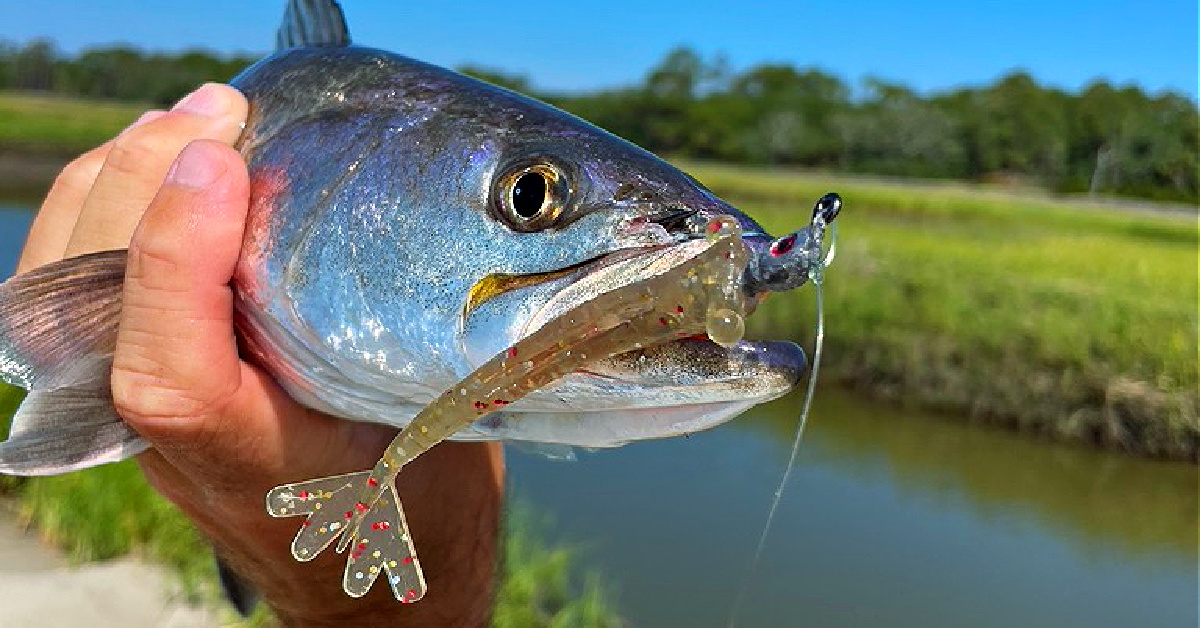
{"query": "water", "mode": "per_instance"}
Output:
(891, 519)
(14, 224)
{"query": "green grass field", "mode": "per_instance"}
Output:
(1053, 316)
(37, 124)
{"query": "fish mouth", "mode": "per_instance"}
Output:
(694, 360)
(661, 390)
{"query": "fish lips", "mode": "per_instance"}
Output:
(717, 382)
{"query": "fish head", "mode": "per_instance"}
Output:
(408, 223)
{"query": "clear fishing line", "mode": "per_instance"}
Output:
(816, 277)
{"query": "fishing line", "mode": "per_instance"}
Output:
(816, 277)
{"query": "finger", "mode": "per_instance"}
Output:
(176, 355)
(177, 377)
(138, 160)
(52, 227)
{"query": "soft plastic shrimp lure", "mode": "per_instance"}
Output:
(698, 288)
(701, 294)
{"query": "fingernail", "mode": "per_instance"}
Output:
(206, 101)
(195, 167)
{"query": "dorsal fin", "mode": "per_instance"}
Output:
(312, 23)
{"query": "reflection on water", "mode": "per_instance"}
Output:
(1099, 500)
(892, 519)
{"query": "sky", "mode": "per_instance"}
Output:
(581, 45)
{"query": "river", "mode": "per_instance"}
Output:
(892, 518)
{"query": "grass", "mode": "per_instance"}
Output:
(540, 586)
(40, 133)
(1049, 315)
(39, 124)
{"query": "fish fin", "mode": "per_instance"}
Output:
(379, 544)
(312, 23)
(58, 328)
(553, 451)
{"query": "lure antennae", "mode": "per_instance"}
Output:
(817, 277)
(832, 253)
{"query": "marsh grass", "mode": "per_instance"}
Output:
(541, 587)
(1053, 316)
(40, 124)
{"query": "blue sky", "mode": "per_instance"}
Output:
(582, 45)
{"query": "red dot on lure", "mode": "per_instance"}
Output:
(512, 352)
(372, 482)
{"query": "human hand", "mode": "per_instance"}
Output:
(222, 431)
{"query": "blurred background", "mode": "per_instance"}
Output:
(1005, 431)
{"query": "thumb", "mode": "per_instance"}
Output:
(177, 377)
(176, 356)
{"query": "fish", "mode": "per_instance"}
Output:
(409, 227)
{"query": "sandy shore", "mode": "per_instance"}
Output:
(39, 588)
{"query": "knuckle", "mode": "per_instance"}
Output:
(148, 387)
(144, 393)
(158, 383)
(153, 265)
(137, 150)
(81, 173)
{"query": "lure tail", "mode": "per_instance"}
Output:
(376, 534)
(58, 329)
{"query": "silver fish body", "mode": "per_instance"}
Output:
(375, 226)
(407, 224)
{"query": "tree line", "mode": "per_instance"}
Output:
(1103, 139)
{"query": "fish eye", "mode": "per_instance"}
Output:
(531, 196)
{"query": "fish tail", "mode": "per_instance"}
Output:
(58, 329)
(377, 535)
